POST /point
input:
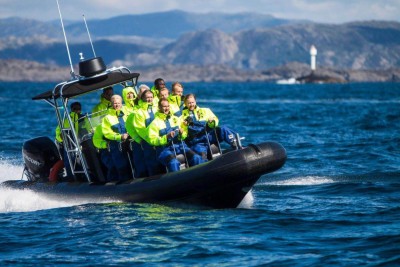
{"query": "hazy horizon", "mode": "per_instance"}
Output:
(323, 11)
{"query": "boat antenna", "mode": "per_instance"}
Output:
(66, 42)
(90, 39)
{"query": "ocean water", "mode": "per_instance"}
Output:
(336, 202)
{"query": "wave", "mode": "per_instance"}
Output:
(12, 200)
(248, 201)
(376, 178)
(303, 180)
(10, 171)
(25, 200)
(303, 102)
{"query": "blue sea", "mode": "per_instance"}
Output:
(336, 201)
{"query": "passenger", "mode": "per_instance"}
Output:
(113, 128)
(136, 145)
(142, 118)
(100, 110)
(164, 94)
(158, 84)
(76, 116)
(136, 140)
(176, 98)
(141, 89)
(201, 123)
(105, 156)
(129, 95)
(166, 133)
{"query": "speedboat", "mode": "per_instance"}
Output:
(221, 182)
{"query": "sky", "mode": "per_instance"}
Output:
(324, 11)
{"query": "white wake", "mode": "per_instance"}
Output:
(248, 201)
(303, 180)
(25, 200)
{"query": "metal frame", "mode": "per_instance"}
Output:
(71, 142)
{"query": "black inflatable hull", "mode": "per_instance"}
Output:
(220, 183)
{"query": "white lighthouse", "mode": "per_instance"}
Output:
(313, 54)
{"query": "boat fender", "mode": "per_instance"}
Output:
(55, 170)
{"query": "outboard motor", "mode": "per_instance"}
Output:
(40, 154)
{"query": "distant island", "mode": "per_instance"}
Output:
(20, 70)
(206, 47)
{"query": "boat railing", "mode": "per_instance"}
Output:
(183, 162)
(125, 147)
(215, 151)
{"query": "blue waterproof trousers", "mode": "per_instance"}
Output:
(200, 145)
(166, 155)
(121, 161)
(139, 160)
(153, 166)
(106, 159)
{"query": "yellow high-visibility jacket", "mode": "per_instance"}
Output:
(111, 126)
(158, 129)
(98, 138)
(202, 114)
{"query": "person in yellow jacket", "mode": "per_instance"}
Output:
(164, 94)
(136, 145)
(136, 140)
(77, 120)
(75, 115)
(100, 110)
(166, 132)
(158, 84)
(105, 156)
(129, 95)
(141, 119)
(201, 124)
(113, 129)
(175, 98)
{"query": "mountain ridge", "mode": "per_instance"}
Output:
(252, 43)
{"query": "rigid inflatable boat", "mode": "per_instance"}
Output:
(222, 182)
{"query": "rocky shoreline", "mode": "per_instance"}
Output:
(21, 70)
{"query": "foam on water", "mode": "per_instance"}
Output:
(247, 201)
(354, 101)
(10, 171)
(25, 200)
(303, 180)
